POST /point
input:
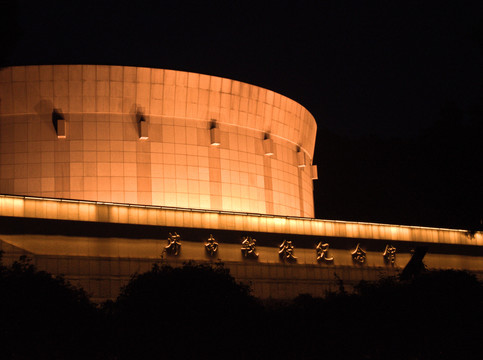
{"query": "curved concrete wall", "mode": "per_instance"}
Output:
(102, 157)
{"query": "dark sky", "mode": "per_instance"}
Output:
(362, 68)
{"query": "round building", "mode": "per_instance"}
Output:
(105, 170)
(154, 137)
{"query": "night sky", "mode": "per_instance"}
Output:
(395, 86)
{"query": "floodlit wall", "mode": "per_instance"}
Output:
(262, 165)
(101, 265)
(28, 207)
(116, 260)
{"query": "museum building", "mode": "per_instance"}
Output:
(107, 169)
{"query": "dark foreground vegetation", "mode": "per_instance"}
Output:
(200, 311)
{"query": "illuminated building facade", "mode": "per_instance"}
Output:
(154, 137)
(99, 164)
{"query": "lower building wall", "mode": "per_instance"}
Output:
(103, 276)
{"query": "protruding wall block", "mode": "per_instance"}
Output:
(300, 159)
(314, 173)
(268, 148)
(143, 129)
(215, 136)
(142, 124)
(61, 129)
(59, 123)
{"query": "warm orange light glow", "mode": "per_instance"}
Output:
(268, 147)
(154, 137)
(36, 207)
(215, 136)
(300, 159)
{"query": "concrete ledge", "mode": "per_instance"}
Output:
(72, 210)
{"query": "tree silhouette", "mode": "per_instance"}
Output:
(187, 312)
(43, 316)
(435, 315)
(200, 311)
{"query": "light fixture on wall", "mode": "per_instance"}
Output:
(142, 124)
(214, 134)
(300, 158)
(268, 148)
(314, 172)
(59, 123)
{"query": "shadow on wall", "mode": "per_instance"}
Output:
(45, 109)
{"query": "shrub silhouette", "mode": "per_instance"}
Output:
(435, 315)
(200, 311)
(44, 316)
(191, 311)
